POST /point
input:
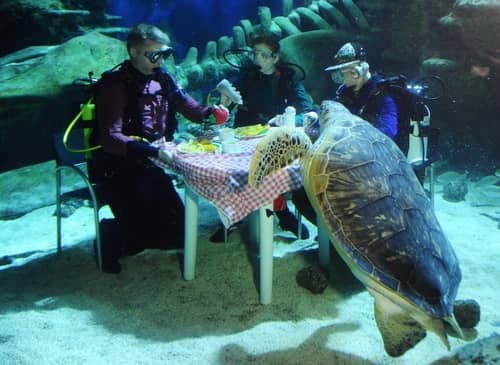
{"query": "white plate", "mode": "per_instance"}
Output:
(251, 131)
(232, 147)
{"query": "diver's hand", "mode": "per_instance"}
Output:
(219, 115)
(166, 156)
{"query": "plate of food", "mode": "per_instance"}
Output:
(201, 146)
(251, 131)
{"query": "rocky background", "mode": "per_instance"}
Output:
(50, 43)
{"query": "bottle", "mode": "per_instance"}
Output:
(289, 117)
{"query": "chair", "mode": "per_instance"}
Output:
(76, 162)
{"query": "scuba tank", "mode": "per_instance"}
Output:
(84, 119)
(418, 140)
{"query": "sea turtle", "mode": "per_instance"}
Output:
(378, 218)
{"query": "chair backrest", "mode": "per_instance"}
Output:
(76, 141)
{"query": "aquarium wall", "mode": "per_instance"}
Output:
(49, 44)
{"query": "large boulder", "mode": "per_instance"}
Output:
(477, 24)
(37, 95)
(31, 187)
(39, 22)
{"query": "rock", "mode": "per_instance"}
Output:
(483, 351)
(59, 66)
(31, 187)
(38, 99)
(33, 22)
(312, 279)
(484, 192)
(439, 66)
(25, 54)
(467, 313)
(455, 191)
(5, 260)
(473, 22)
(70, 205)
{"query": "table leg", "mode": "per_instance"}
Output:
(323, 244)
(190, 232)
(266, 223)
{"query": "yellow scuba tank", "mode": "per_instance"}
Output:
(85, 119)
(86, 114)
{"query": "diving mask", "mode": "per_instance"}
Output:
(339, 76)
(264, 54)
(154, 56)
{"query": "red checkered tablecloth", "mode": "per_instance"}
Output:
(222, 179)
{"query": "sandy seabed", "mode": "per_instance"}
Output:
(58, 309)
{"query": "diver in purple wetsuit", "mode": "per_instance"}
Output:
(136, 106)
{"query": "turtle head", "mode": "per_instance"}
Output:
(332, 111)
(278, 149)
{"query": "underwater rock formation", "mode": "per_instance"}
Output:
(318, 15)
(455, 191)
(36, 83)
(33, 22)
(310, 33)
(477, 24)
(483, 351)
(37, 96)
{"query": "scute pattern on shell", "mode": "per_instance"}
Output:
(372, 204)
(371, 201)
(279, 148)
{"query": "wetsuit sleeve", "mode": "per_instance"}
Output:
(303, 99)
(141, 150)
(180, 100)
(191, 109)
(387, 118)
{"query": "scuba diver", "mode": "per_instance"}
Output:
(388, 103)
(134, 107)
(267, 88)
(358, 92)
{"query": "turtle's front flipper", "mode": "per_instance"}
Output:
(279, 148)
(399, 331)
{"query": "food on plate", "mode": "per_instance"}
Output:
(252, 130)
(202, 146)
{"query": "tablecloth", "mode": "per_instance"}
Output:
(222, 179)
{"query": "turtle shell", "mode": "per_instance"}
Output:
(371, 201)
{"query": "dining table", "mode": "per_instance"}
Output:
(222, 179)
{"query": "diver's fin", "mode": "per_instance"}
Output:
(279, 148)
(399, 331)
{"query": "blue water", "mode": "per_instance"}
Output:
(213, 18)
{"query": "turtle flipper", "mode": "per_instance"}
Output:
(279, 148)
(399, 331)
